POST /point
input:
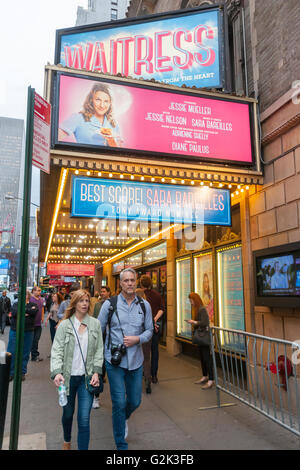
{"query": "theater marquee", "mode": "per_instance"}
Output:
(177, 48)
(110, 199)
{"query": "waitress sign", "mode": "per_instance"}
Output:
(171, 48)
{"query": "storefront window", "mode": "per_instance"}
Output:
(134, 261)
(183, 289)
(203, 276)
(117, 267)
(155, 253)
(230, 293)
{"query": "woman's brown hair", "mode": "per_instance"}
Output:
(77, 295)
(59, 297)
(88, 107)
(198, 303)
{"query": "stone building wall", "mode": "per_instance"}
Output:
(271, 213)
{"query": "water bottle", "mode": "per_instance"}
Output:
(62, 394)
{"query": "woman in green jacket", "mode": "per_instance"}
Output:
(67, 364)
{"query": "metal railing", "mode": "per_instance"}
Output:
(259, 371)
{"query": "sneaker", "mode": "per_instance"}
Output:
(96, 403)
(126, 429)
(37, 359)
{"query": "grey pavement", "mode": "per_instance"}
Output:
(168, 419)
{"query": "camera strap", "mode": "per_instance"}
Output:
(113, 309)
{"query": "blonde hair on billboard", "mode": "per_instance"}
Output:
(88, 107)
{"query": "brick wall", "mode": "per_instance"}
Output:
(277, 24)
(274, 210)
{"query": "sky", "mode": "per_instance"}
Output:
(27, 35)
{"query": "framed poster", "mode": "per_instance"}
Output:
(231, 295)
(203, 276)
(183, 289)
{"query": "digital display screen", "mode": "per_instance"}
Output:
(278, 275)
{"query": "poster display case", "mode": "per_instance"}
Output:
(203, 278)
(231, 294)
(183, 289)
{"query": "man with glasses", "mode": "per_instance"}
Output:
(129, 321)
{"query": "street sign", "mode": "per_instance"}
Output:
(41, 134)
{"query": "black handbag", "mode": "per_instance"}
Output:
(90, 388)
(201, 337)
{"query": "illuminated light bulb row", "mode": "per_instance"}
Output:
(161, 179)
(239, 190)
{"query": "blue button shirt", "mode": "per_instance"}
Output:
(133, 323)
(88, 132)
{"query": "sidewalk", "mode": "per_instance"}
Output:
(167, 419)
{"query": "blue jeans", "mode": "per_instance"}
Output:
(53, 324)
(85, 401)
(126, 395)
(11, 348)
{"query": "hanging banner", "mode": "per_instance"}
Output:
(111, 199)
(177, 48)
(41, 134)
(120, 116)
(65, 269)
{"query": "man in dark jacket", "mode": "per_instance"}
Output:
(157, 307)
(31, 310)
(5, 307)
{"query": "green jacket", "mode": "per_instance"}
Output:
(63, 349)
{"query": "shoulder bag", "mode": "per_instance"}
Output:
(90, 388)
(201, 337)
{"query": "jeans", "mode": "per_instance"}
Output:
(35, 342)
(154, 354)
(3, 322)
(53, 324)
(85, 401)
(126, 395)
(11, 348)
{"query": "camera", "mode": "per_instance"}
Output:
(116, 354)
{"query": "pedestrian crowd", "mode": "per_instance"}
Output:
(104, 335)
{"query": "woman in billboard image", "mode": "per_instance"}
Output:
(95, 124)
(207, 298)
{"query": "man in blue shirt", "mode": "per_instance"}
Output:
(131, 327)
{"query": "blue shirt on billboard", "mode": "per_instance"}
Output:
(88, 132)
